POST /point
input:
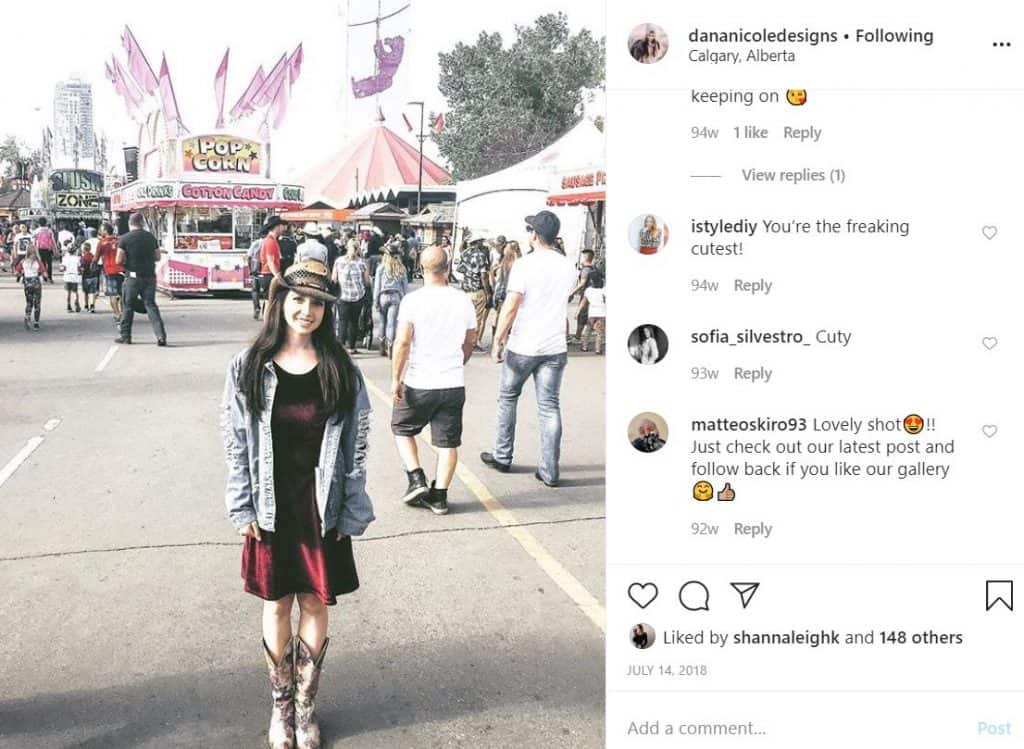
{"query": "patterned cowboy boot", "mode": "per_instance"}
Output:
(281, 734)
(307, 681)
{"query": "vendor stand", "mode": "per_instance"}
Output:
(208, 213)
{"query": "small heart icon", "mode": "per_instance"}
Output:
(990, 342)
(642, 594)
(989, 430)
(989, 231)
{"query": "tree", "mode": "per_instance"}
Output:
(11, 150)
(507, 104)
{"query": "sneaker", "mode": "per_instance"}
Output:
(92, 309)
(436, 500)
(123, 339)
(497, 465)
(417, 487)
(78, 307)
(69, 308)
(161, 341)
(35, 326)
(549, 484)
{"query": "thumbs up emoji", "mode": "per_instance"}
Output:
(727, 494)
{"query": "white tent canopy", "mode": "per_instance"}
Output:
(499, 202)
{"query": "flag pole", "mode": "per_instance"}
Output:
(419, 189)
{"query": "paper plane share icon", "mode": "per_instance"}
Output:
(746, 591)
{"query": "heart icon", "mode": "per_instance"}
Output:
(990, 342)
(989, 430)
(989, 231)
(643, 594)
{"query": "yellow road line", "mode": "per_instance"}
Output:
(561, 577)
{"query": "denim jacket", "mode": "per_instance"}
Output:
(340, 477)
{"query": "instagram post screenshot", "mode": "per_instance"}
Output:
(400, 374)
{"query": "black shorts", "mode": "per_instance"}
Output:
(442, 409)
(71, 285)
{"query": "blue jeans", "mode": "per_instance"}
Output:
(547, 374)
(389, 301)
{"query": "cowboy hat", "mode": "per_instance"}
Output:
(308, 278)
(271, 223)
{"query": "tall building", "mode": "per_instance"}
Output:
(73, 137)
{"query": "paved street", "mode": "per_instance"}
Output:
(123, 617)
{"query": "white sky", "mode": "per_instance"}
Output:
(194, 34)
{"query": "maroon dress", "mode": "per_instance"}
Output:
(295, 558)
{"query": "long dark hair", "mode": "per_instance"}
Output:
(337, 373)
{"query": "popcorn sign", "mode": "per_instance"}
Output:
(221, 154)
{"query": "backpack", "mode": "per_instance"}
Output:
(45, 240)
(254, 257)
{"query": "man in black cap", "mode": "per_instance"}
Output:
(536, 301)
(270, 256)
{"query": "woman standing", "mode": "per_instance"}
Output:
(295, 416)
(499, 278)
(352, 275)
(389, 287)
(30, 271)
(650, 236)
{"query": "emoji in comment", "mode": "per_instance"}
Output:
(913, 424)
(797, 96)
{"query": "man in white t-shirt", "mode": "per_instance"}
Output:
(532, 321)
(435, 338)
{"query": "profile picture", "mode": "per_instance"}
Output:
(648, 432)
(648, 43)
(648, 234)
(642, 636)
(648, 344)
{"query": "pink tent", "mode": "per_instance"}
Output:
(376, 159)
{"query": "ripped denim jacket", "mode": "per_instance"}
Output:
(341, 496)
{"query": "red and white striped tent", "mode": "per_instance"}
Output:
(372, 167)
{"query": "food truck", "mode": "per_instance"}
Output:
(205, 198)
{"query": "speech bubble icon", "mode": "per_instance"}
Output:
(694, 596)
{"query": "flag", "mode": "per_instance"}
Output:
(279, 104)
(125, 88)
(134, 91)
(408, 124)
(265, 93)
(438, 124)
(219, 83)
(295, 64)
(169, 102)
(138, 65)
(244, 104)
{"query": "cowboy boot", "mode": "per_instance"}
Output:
(307, 681)
(281, 734)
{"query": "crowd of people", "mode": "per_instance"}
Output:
(124, 267)
(295, 410)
